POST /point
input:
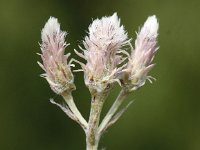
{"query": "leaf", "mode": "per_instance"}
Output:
(118, 115)
(64, 108)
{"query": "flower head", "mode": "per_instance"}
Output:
(102, 47)
(140, 61)
(54, 61)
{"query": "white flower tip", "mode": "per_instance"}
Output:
(51, 27)
(115, 19)
(114, 16)
(151, 26)
(153, 22)
(105, 31)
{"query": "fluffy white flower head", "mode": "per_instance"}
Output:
(141, 58)
(102, 45)
(57, 71)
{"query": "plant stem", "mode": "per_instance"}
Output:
(103, 126)
(92, 140)
(70, 102)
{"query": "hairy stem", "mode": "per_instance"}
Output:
(70, 102)
(92, 140)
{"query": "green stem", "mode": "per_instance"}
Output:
(122, 95)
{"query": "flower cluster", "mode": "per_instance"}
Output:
(57, 71)
(103, 52)
(107, 61)
(103, 48)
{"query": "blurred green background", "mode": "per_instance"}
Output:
(165, 115)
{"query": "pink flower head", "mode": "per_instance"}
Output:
(54, 61)
(102, 47)
(140, 61)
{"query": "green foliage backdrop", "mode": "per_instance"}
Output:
(165, 115)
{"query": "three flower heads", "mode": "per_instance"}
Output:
(108, 60)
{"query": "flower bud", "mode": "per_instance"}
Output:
(105, 38)
(54, 61)
(140, 61)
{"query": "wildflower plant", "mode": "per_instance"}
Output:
(107, 63)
